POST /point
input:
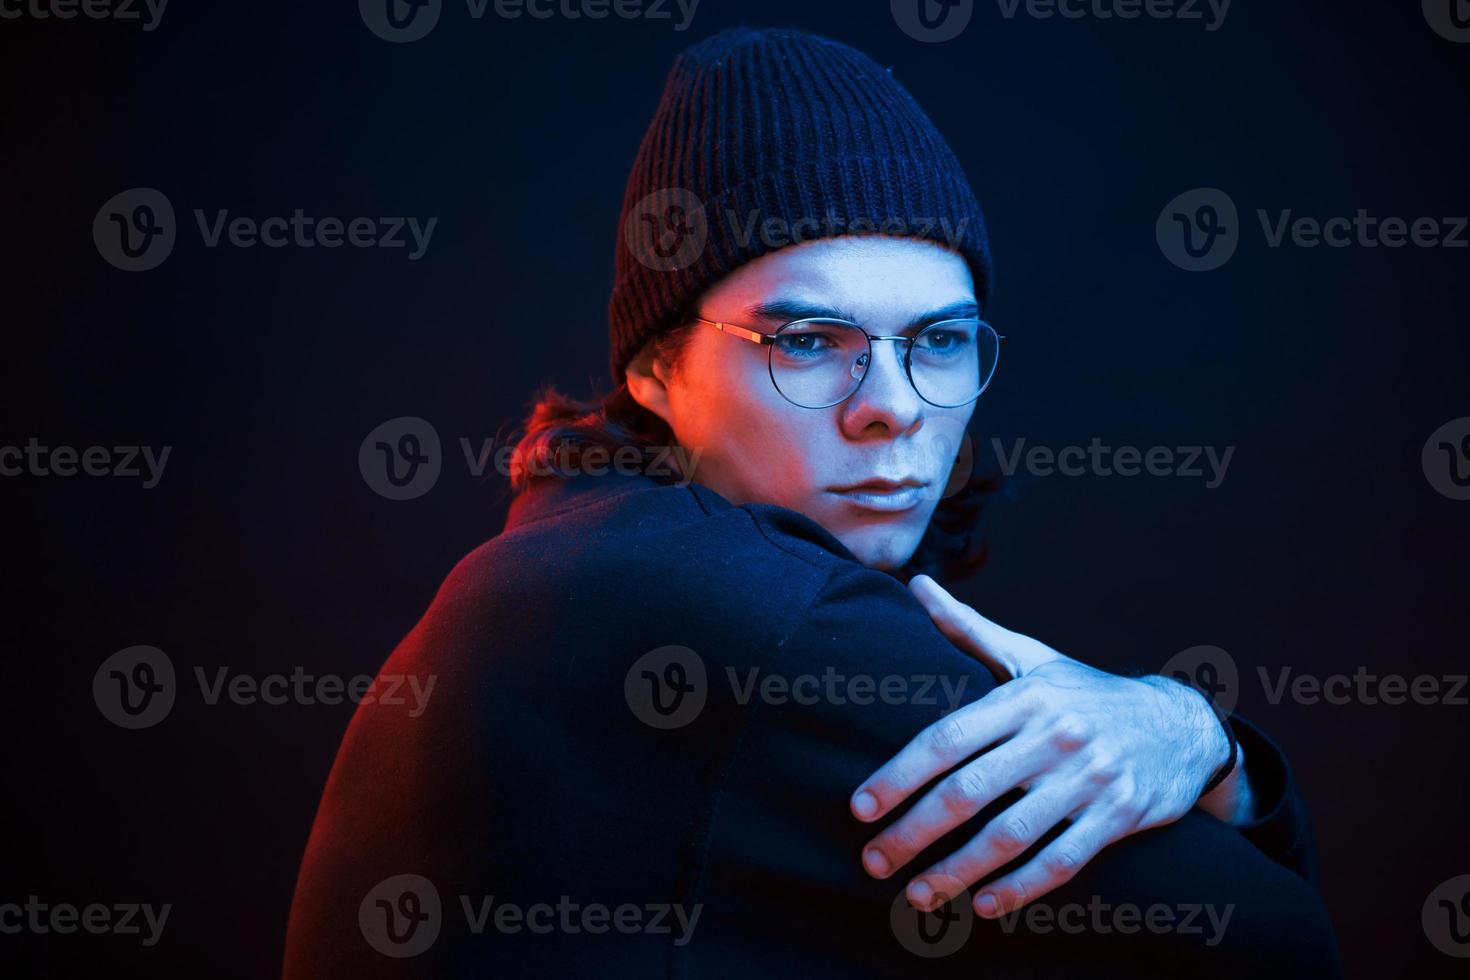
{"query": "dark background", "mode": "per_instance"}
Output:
(262, 548)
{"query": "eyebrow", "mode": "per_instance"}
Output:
(786, 310)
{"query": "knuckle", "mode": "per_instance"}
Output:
(946, 737)
(1018, 895)
(1127, 788)
(1104, 768)
(901, 842)
(1128, 809)
(967, 791)
(1071, 731)
(1063, 862)
(1011, 835)
(1133, 811)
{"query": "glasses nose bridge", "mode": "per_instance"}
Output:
(900, 354)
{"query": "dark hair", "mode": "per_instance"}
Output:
(561, 428)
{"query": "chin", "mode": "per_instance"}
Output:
(884, 548)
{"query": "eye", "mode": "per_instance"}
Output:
(942, 342)
(806, 343)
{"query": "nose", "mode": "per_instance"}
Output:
(885, 400)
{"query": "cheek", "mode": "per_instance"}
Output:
(754, 445)
(774, 451)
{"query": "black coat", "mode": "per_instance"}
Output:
(571, 780)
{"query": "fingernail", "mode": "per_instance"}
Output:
(986, 905)
(921, 896)
(875, 862)
(865, 805)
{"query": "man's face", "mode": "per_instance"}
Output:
(757, 447)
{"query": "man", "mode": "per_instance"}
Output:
(692, 723)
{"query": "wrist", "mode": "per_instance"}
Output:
(1233, 800)
(1211, 747)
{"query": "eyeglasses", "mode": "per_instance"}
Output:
(817, 363)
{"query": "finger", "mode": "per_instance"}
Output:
(1004, 839)
(1007, 654)
(939, 748)
(956, 799)
(965, 628)
(1053, 866)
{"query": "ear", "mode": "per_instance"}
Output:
(647, 383)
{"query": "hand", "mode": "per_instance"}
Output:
(1108, 755)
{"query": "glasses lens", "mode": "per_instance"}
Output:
(952, 362)
(818, 363)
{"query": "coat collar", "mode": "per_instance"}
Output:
(549, 495)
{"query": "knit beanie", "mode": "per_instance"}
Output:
(767, 138)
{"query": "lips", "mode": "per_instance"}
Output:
(880, 485)
(884, 495)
